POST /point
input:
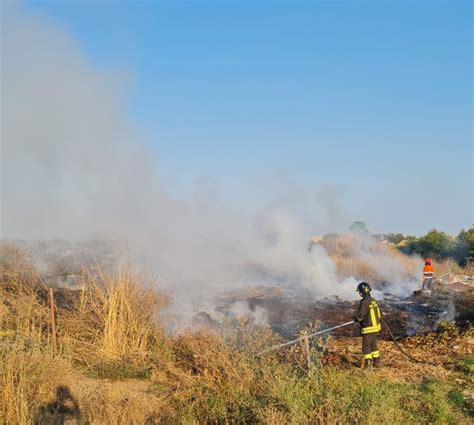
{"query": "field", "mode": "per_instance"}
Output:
(193, 193)
(116, 364)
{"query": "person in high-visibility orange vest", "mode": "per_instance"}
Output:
(428, 275)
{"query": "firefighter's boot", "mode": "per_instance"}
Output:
(377, 362)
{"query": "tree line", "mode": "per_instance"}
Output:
(437, 244)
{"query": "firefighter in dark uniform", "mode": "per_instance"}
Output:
(368, 317)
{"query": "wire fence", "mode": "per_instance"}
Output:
(292, 330)
(309, 339)
(313, 337)
(308, 334)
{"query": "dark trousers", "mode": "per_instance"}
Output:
(369, 346)
(427, 284)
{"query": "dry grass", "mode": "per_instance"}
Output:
(377, 262)
(114, 318)
(120, 367)
(15, 267)
(450, 267)
(366, 259)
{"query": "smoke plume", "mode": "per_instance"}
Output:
(74, 168)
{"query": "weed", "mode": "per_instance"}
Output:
(119, 365)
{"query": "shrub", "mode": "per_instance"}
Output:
(122, 368)
(440, 246)
(463, 249)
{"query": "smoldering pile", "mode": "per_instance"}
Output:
(406, 316)
(286, 306)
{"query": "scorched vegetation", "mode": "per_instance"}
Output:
(114, 363)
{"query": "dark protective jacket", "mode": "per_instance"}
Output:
(368, 315)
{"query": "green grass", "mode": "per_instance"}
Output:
(337, 397)
(467, 365)
(196, 377)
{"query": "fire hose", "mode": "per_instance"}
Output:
(286, 344)
(408, 356)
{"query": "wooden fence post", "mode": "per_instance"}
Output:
(53, 322)
(308, 352)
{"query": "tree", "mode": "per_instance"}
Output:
(409, 245)
(395, 238)
(438, 244)
(359, 227)
(463, 250)
(434, 244)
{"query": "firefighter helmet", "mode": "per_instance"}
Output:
(363, 288)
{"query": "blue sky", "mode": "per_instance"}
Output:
(372, 98)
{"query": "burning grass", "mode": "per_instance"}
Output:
(116, 364)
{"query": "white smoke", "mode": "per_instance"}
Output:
(73, 168)
(402, 281)
(258, 314)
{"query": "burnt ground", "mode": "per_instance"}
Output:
(416, 314)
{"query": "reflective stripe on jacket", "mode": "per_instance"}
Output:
(368, 315)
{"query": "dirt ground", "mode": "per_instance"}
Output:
(440, 353)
